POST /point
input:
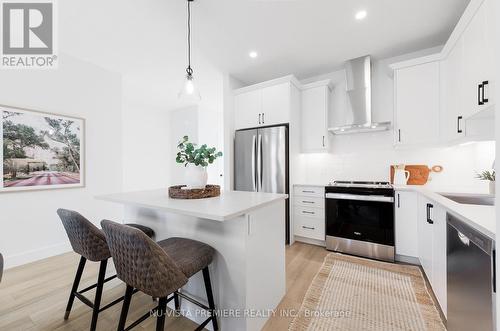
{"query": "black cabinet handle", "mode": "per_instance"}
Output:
(429, 207)
(308, 227)
(323, 141)
(308, 212)
(483, 99)
(304, 201)
(494, 262)
(259, 119)
(459, 120)
(399, 201)
(263, 118)
(479, 93)
(399, 135)
(307, 191)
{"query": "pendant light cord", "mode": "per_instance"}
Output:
(189, 70)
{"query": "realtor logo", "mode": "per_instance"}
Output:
(28, 34)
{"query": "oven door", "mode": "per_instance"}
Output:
(368, 218)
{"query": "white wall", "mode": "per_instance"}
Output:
(30, 228)
(368, 156)
(154, 121)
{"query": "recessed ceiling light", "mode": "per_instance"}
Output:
(253, 54)
(361, 15)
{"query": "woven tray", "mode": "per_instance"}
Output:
(178, 192)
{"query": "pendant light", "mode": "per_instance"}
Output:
(189, 91)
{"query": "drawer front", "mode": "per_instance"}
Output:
(310, 202)
(309, 212)
(309, 191)
(309, 227)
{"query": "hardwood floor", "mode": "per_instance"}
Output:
(34, 296)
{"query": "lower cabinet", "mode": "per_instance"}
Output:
(431, 229)
(406, 224)
(309, 213)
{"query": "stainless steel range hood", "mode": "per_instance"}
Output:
(359, 90)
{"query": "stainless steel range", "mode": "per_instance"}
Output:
(360, 219)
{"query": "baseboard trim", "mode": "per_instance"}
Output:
(16, 260)
(316, 242)
(407, 259)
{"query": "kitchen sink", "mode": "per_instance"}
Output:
(471, 199)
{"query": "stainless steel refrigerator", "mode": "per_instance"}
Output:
(261, 163)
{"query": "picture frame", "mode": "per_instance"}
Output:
(40, 150)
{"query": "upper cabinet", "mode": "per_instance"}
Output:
(314, 117)
(248, 107)
(460, 108)
(477, 62)
(265, 104)
(276, 102)
(417, 104)
(453, 109)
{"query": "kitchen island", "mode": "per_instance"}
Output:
(247, 229)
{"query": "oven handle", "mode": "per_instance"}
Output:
(378, 198)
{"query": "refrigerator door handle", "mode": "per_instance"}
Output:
(254, 175)
(259, 162)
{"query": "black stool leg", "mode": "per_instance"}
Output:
(98, 294)
(162, 311)
(210, 297)
(176, 302)
(74, 289)
(126, 304)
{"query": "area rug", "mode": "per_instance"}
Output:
(351, 293)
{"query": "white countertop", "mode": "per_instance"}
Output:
(225, 207)
(481, 218)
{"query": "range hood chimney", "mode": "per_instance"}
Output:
(359, 90)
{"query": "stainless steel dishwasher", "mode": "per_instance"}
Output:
(470, 277)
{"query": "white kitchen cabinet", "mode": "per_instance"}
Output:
(276, 101)
(432, 246)
(417, 93)
(314, 118)
(309, 214)
(478, 65)
(248, 108)
(263, 106)
(425, 236)
(439, 256)
(406, 223)
(453, 114)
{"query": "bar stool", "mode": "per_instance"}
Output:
(90, 242)
(158, 269)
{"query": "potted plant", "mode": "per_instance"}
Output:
(196, 160)
(489, 176)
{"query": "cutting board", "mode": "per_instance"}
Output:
(419, 174)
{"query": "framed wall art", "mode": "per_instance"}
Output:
(40, 150)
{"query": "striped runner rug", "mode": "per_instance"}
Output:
(351, 293)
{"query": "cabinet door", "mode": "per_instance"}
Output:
(406, 223)
(276, 104)
(425, 237)
(417, 104)
(248, 107)
(314, 121)
(453, 116)
(491, 8)
(475, 61)
(438, 280)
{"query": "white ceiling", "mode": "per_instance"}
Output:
(304, 37)
(309, 37)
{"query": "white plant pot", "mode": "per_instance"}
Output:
(492, 188)
(196, 177)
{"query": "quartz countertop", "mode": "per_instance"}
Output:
(227, 206)
(480, 218)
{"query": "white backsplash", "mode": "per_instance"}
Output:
(362, 157)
